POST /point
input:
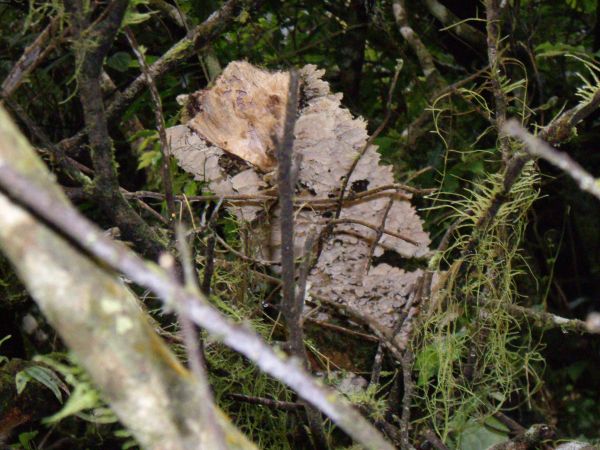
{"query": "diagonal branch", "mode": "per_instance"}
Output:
(537, 147)
(32, 57)
(452, 23)
(196, 41)
(91, 239)
(424, 56)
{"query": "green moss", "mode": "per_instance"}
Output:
(473, 355)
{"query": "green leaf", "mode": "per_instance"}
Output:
(83, 397)
(119, 61)
(42, 375)
(4, 339)
(476, 436)
(427, 364)
(142, 134)
(149, 158)
(550, 50)
(25, 439)
(190, 189)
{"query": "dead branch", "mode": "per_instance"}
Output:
(292, 305)
(106, 185)
(33, 56)
(414, 41)
(455, 25)
(537, 147)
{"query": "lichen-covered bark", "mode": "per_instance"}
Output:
(101, 321)
(328, 140)
(106, 187)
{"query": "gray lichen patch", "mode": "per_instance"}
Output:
(328, 139)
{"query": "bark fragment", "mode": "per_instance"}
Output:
(327, 141)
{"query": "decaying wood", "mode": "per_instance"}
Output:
(243, 113)
(328, 141)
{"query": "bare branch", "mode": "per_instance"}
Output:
(537, 147)
(292, 305)
(290, 309)
(194, 347)
(453, 24)
(425, 59)
(32, 57)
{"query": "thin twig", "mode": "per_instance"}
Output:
(537, 147)
(271, 403)
(346, 220)
(337, 328)
(262, 262)
(304, 270)
(434, 440)
(377, 364)
(514, 426)
(298, 201)
(378, 233)
(407, 364)
(165, 169)
(209, 253)
(209, 265)
(292, 305)
(193, 347)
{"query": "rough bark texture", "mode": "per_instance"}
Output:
(106, 182)
(327, 141)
